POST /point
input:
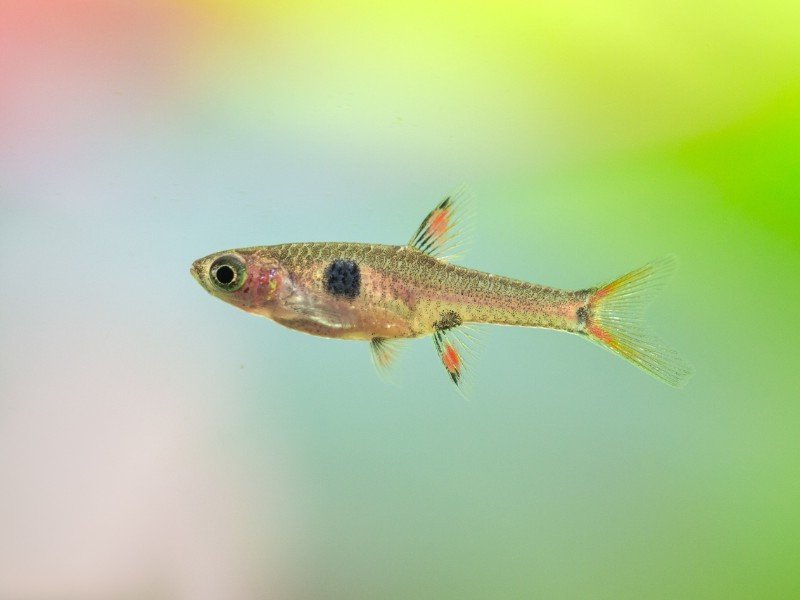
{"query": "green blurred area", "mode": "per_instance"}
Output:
(570, 474)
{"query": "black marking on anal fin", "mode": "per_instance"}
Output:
(451, 343)
(447, 320)
(343, 278)
(449, 354)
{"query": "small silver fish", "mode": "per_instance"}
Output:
(382, 294)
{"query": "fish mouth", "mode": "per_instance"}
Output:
(195, 271)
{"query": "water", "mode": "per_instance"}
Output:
(155, 442)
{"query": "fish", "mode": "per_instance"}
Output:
(385, 294)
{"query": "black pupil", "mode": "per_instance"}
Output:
(225, 274)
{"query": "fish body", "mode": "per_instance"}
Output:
(381, 293)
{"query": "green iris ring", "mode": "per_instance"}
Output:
(228, 273)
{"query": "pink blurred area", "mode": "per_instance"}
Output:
(122, 476)
(119, 480)
(100, 49)
(76, 74)
(114, 481)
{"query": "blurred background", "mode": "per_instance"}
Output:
(157, 443)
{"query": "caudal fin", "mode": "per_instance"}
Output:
(615, 320)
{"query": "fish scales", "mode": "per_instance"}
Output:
(420, 287)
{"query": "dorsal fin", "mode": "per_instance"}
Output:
(443, 232)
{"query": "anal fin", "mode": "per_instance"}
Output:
(455, 344)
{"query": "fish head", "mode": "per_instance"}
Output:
(250, 279)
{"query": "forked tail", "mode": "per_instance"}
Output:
(615, 320)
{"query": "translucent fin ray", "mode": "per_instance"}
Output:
(457, 349)
(616, 321)
(384, 352)
(444, 232)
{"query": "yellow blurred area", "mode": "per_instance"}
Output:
(664, 70)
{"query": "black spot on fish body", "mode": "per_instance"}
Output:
(343, 278)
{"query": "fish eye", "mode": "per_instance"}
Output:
(225, 275)
(228, 273)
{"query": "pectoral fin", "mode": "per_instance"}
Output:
(311, 309)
